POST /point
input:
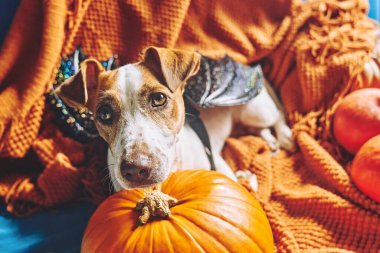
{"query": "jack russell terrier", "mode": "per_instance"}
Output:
(140, 112)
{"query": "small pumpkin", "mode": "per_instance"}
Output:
(365, 171)
(212, 214)
(357, 118)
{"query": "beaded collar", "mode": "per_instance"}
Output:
(76, 123)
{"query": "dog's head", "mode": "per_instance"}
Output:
(139, 110)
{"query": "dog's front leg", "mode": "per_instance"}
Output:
(223, 167)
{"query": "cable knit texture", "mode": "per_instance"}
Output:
(313, 53)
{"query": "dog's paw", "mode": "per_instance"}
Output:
(272, 142)
(245, 175)
(284, 136)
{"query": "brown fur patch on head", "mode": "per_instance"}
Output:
(81, 89)
(172, 67)
(108, 80)
(172, 114)
(109, 98)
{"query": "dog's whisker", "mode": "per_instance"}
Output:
(107, 176)
(105, 179)
(110, 187)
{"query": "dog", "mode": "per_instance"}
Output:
(139, 111)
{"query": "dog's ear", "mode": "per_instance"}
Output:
(172, 67)
(80, 89)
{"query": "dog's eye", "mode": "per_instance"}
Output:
(105, 114)
(158, 99)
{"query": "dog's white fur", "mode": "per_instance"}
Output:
(144, 141)
(261, 113)
(140, 128)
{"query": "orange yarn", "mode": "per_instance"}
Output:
(313, 53)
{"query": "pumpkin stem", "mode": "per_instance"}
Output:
(156, 204)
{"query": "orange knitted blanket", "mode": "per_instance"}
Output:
(313, 53)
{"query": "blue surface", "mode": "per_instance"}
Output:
(7, 11)
(374, 9)
(57, 231)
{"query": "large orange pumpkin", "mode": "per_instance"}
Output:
(213, 214)
(357, 118)
(365, 171)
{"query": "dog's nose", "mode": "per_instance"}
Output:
(133, 172)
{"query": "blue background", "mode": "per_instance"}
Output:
(374, 9)
(54, 231)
